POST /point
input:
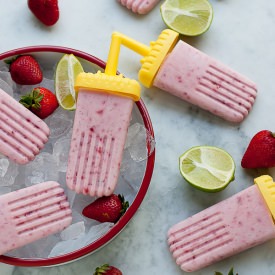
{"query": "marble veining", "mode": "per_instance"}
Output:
(242, 36)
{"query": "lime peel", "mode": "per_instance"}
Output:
(66, 71)
(207, 168)
(187, 17)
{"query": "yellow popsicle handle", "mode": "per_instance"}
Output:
(109, 81)
(267, 188)
(113, 84)
(119, 39)
(153, 55)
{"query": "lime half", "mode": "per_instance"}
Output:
(66, 71)
(207, 168)
(187, 17)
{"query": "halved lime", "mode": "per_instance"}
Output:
(67, 69)
(187, 17)
(207, 168)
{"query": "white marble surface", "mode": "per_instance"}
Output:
(242, 35)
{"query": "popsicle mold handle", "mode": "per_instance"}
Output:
(153, 55)
(110, 82)
(119, 39)
(267, 188)
(114, 84)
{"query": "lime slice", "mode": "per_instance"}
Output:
(207, 168)
(67, 69)
(187, 17)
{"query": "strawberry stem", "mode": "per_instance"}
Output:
(32, 100)
(102, 269)
(125, 204)
(10, 60)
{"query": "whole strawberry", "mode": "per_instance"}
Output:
(25, 70)
(40, 101)
(47, 11)
(260, 152)
(106, 209)
(107, 270)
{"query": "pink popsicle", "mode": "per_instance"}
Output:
(178, 68)
(139, 6)
(205, 82)
(222, 230)
(103, 111)
(32, 213)
(99, 134)
(22, 134)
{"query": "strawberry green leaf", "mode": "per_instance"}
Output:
(102, 269)
(231, 271)
(10, 60)
(125, 204)
(32, 100)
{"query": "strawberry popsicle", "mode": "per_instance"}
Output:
(22, 134)
(225, 229)
(139, 6)
(205, 82)
(32, 213)
(182, 70)
(103, 112)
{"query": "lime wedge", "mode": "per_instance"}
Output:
(187, 17)
(67, 69)
(207, 168)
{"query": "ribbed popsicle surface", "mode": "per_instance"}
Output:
(222, 230)
(22, 134)
(228, 90)
(32, 213)
(197, 239)
(93, 165)
(207, 83)
(99, 134)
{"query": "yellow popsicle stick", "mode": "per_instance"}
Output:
(267, 189)
(109, 81)
(153, 55)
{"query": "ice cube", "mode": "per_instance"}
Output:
(47, 83)
(4, 165)
(139, 142)
(8, 171)
(42, 168)
(131, 175)
(34, 178)
(83, 240)
(73, 231)
(6, 76)
(97, 231)
(37, 249)
(69, 193)
(60, 122)
(6, 87)
(61, 150)
(49, 74)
